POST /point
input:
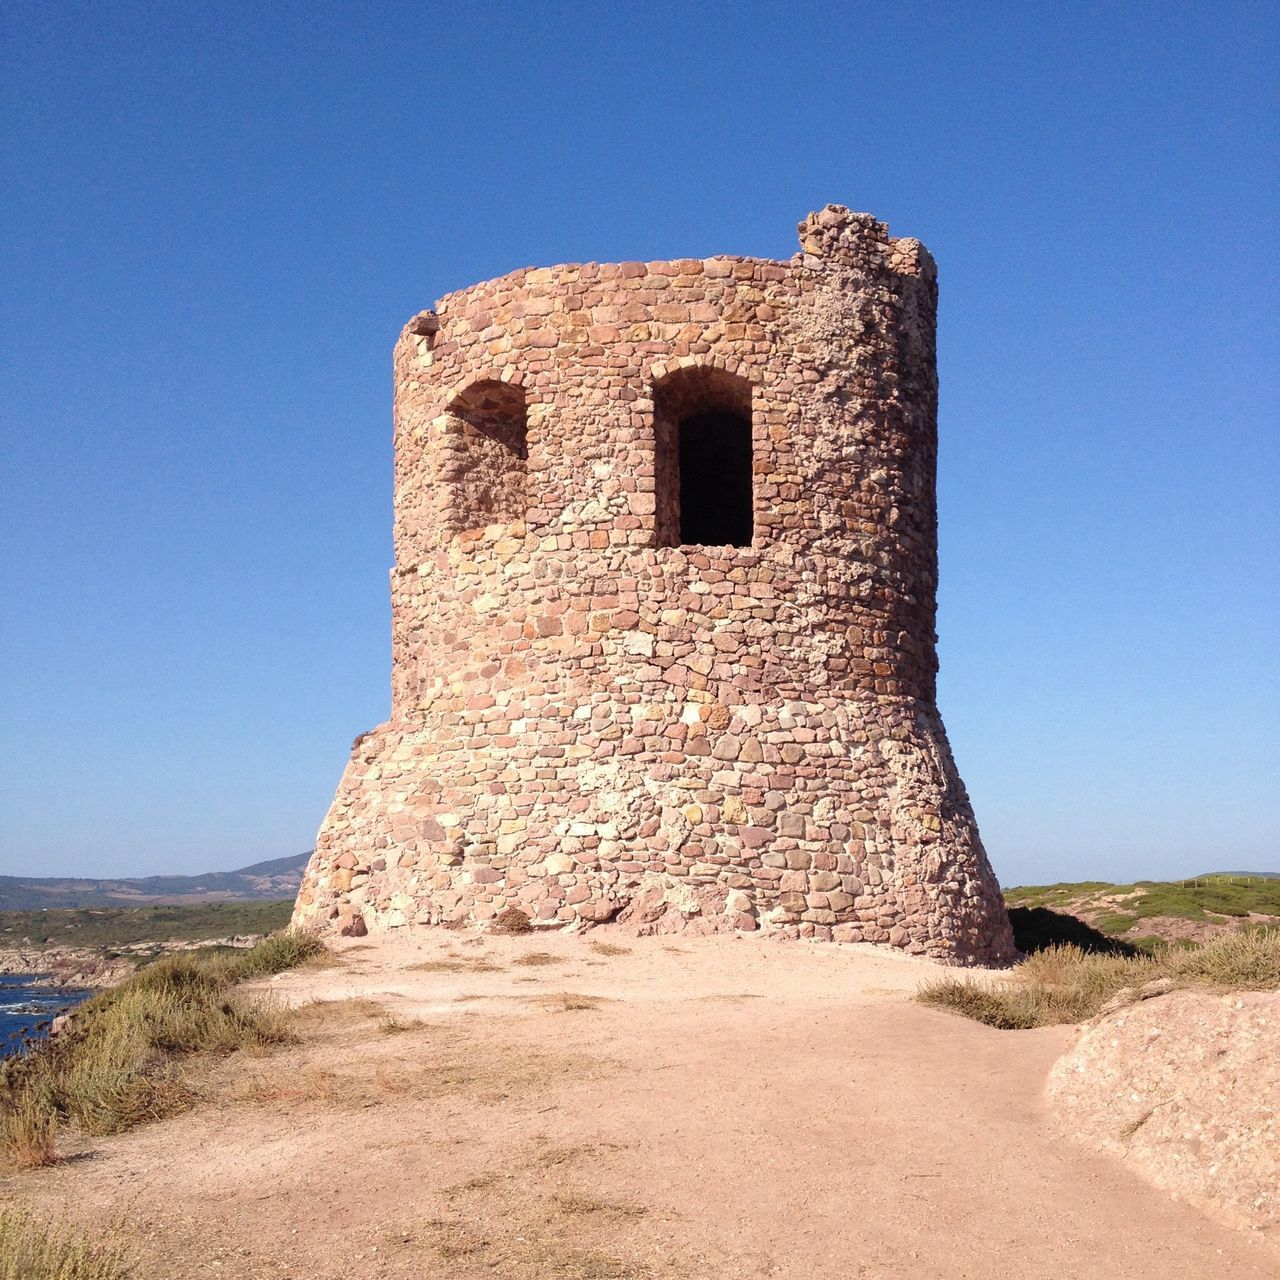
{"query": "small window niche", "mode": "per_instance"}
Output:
(486, 462)
(703, 459)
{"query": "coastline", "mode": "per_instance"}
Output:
(97, 968)
(31, 1010)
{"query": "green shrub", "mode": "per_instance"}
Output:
(285, 950)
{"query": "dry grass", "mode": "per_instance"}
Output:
(390, 1025)
(528, 1215)
(525, 1259)
(524, 1234)
(452, 1240)
(334, 1016)
(28, 1132)
(568, 1001)
(303, 1085)
(559, 1261)
(121, 1060)
(34, 1250)
(536, 959)
(555, 1157)
(1246, 961)
(1066, 984)
(441, 1064)
(609, 949)
(455, 964)
(578, 1204)
(512, 920)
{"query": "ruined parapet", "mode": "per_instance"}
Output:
(663, 611)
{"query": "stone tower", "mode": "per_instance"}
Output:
(663, 611)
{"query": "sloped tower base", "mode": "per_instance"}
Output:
(829, 820)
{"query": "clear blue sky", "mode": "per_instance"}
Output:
(216, 217)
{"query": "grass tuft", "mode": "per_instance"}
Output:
(579, 1204)
(512, 920)
(609, 948)
(119, 1062)
(32, 1250)
(1246, 961)
(1067, 984)
(455, 964)
(28, 1132)
(568, 1001)
(284, 950)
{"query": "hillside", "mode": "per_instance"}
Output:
(1170, 911)
(263, 881)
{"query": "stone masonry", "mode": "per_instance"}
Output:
(663, 612)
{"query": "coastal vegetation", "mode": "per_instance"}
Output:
(34, 1250)
(122, 1058)
(1130, 909)
(1069, 983)
(114, 928)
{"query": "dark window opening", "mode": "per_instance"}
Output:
(703, 459)
(715, 480)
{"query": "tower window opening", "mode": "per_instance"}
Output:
(703, 459)
(486, 462)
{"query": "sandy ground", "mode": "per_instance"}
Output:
(597, 1107)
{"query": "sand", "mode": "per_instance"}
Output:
(594, 1106)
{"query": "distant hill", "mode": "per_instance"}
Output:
(1190, 910)
(278, 878)
(1247, 875)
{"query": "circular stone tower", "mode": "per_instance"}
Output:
(663, 612)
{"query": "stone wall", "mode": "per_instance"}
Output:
(591, 721)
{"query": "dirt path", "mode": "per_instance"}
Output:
(603, 1107)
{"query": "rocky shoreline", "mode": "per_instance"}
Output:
(95, 968)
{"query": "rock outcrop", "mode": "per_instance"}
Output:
(1186, 1089)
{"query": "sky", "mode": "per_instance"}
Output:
(215, 218)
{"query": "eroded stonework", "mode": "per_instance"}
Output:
(594, 718)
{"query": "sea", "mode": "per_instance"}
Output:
(26, 1010)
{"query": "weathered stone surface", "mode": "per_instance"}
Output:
(350, 926)
(1185, 1088)
(663, 611)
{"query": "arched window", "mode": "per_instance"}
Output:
(702, 464)
(485, 461)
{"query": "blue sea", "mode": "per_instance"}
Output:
(26, 1010)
